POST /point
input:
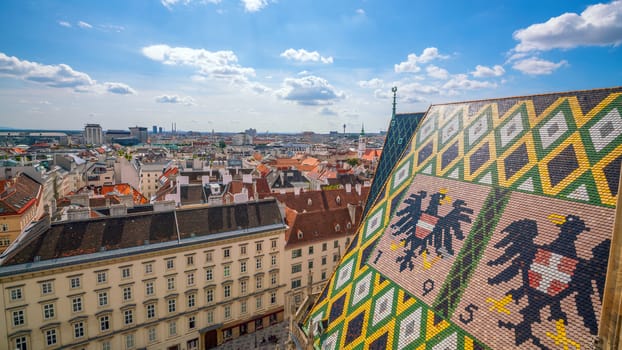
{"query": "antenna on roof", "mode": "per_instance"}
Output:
(394, 90)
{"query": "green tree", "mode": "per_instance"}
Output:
(353, 162)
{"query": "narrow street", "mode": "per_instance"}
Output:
(260, 339)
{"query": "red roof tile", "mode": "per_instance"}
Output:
(320, 226)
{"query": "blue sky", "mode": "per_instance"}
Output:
(289, 65)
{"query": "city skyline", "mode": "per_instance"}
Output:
(230, 65)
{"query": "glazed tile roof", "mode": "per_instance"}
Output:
(489, 228)
(401, 129)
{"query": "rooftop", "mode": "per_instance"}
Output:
(84, 237)
(468, 218)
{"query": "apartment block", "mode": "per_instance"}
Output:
(19, 202)
(321, 226)
(168, 279)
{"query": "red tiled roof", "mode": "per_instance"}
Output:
(320, 226)
(306, 167)
(124, 189)
(322, 200)
(339, 198)
(262, 187)
(310, 161)
(21, 195)
(303, 202)
(236, 186)
(286, 163)
(370, 154)
(263, 170)
(170, 172)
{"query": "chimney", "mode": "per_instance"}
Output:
(80, 199)
(118, 210)
(348, 188)
(296, 191)
(75, 214)
(352, 212)
(358, 189)
(247, 178)
(184, 180)
(227, 179)
(163, 206)
(205, 180)
(240, 197)
(127, 200)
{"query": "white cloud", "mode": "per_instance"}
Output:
(538, 66)
(411, 63)
(170, 3)
(111, 28)
(217, 64)
(64, 24)
(374, 83)
(254, 5)
(55, 76)
(437, 72)
(85, 25)
(413, 92)
(419, 88)
(597, 25)
(327, 111)
(515, 56)
(360, 12)
(302, 55)
(258, 88)
(461, 82)
(119, 88)
(407, 93)
(309, 90)
(58, 76)
(487, 72)
(175, 99)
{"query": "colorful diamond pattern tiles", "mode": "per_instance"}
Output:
(491, 230)
(401, 128)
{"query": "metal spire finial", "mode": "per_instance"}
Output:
(394, 90)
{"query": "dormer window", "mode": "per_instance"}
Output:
(300, 235)
(309, 202)
(338, 200)
(349, 225)
(337, 228)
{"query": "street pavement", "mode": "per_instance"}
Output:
(259, 339)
